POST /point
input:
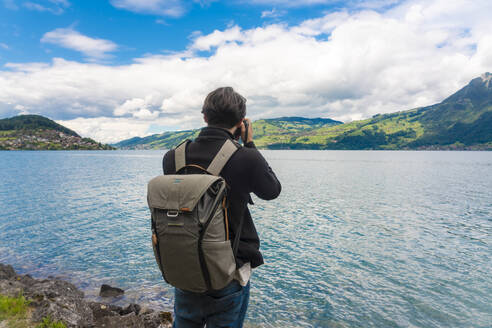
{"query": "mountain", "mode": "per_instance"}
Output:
(164, 140)
(287, 130)
(266, 132)
(33, 122)
(35, 132)
(461, 121)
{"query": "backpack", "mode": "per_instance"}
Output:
(190, 227)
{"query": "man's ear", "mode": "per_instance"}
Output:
(239, 124)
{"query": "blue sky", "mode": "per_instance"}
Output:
(136, 30)
(114, 69)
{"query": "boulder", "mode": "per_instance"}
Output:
(108, 291)
(100, 310)
(74, 313)
(135, 308)
(6, 271)
(60, 300)
(157, 319)
(11, 287)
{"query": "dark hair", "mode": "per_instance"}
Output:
(224, 107)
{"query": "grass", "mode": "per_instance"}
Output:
(15, 312)
(13, 307)
(48, 323)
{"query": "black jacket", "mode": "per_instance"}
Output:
(247, 171)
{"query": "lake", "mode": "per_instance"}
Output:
(356, 239)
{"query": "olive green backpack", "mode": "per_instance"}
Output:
(190, 228)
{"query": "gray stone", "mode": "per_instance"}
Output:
(101, 310)
(64, 302)
(71, 311)
(157, 319)
(60, 300)
(6, 271)
(127, 321)
(108, 291)
(135, 308)
(52, 288)
(11, 287)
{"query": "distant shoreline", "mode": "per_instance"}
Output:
(296, 149)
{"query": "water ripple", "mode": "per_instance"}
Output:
(357, 239)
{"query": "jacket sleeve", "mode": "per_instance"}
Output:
(168, 166)
(264, 182)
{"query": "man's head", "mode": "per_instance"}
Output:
(224, 108)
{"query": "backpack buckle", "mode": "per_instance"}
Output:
(172, 213)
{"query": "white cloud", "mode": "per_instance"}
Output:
(161, 22)
(56, 7)
(4, 46)
(274, 13)
(290, 3)
(64, 3)
(173, 8)
(217, 38)
(112, 130)
(138, 108)
(71, 39)
(343, 65)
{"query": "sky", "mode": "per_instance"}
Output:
(116, 69)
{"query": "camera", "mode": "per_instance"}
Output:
(237, 133)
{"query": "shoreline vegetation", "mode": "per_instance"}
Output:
(26, 302)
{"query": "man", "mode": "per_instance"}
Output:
(246, 171)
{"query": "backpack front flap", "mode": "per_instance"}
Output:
(182, 207)
(178, 192)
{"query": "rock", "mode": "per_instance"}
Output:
(146, 310)
(72, 312)
(166, 317)
(135, 308)
(157, 319)
(11, 288)
(52, 288)
(6, 271)
(26, 280)
(64, 302)
(126, 321)
(60, 300)
(108, 291)
(100, 310)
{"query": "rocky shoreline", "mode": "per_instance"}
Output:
(62, 301)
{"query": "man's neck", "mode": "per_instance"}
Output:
(231, 130)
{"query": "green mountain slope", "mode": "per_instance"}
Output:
(33, 122)
(35, 132)
(164, 140)
(266, 132)
(461, 121)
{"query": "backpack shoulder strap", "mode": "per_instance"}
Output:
(226, 151)
(180, 155)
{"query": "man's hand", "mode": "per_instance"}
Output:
(250, 131)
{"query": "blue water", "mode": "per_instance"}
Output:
(356, 239)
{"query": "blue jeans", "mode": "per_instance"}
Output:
(218, 309)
